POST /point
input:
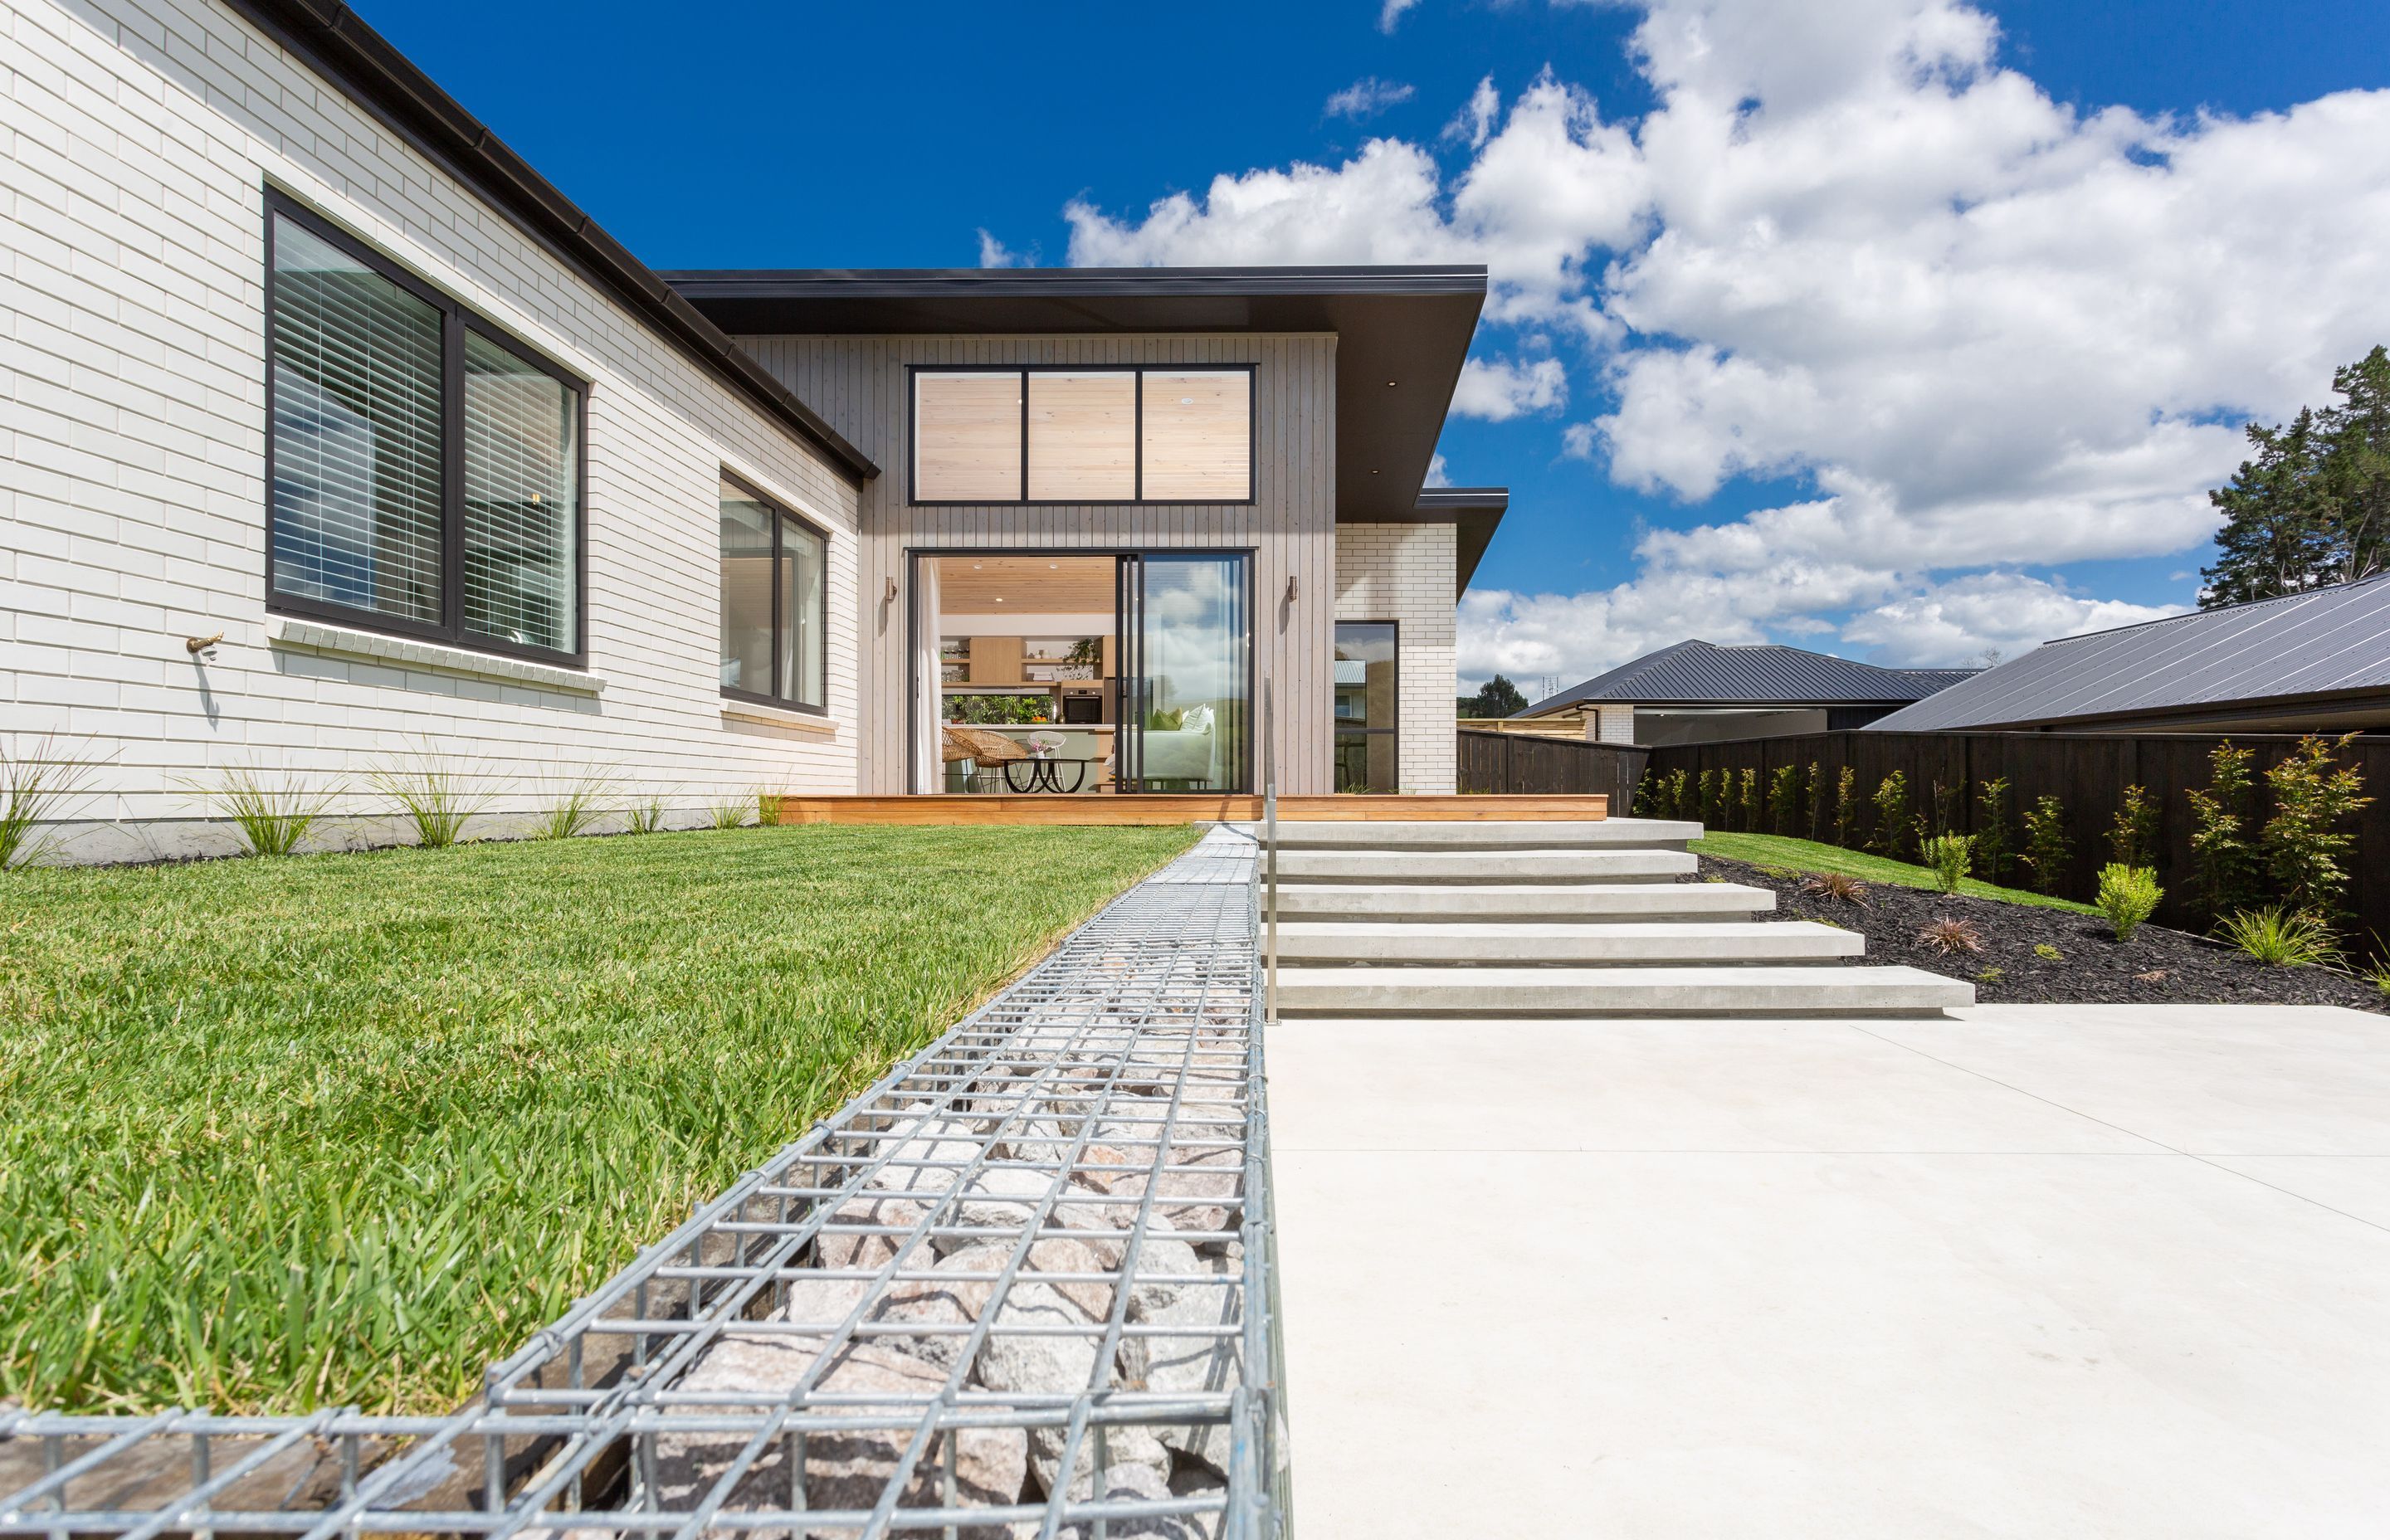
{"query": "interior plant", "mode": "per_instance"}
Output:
(1993, 851)
(1950, 855)
(2223, 860)
(2305, 844)
(38, 782)
(435, 797)
(2047, 849)
(1747, 802)
(2133, 837)
(1085, 656)
(575, 808)
(1784, 799)
(2127, 895)
(1847, 807)
(1891, 812)
(272, 811)
(2281, 937)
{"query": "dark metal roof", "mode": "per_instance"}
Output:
(1474, 513)
(2319, 644)
(1698, 673)
(332, 41)
(1401, 333)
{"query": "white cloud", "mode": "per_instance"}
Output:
(1987, 329)
(1498, 389)
(1952, 623)
(1391, 12)
(1368, 98)
(1439, 474)
(994, 253)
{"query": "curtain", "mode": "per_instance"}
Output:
(929, 766)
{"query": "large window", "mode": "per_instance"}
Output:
(772, 600)
(1067, 434)
(1366, 744)
(426, 471)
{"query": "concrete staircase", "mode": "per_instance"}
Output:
(1555, 918)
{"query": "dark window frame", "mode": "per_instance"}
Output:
(457, 319)
(1336, 728)
(1139, 372)
(781, 510)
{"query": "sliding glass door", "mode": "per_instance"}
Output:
(1186, 687)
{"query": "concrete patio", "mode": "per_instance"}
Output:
(2019, 1271)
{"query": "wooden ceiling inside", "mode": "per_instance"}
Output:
(1048, 585)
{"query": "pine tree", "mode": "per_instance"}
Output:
(2312, 505)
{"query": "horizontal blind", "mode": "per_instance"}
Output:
(356, 424)
(522, 494)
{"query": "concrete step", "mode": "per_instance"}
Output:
(1604, 902)
(1532, 944)
(1599, 834)
(1761, 991)
(1482, 866)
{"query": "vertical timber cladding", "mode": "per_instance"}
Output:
(859, 384)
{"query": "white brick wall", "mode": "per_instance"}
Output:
(136, 139)
(1403, 573)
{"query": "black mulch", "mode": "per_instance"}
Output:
(2157, 965)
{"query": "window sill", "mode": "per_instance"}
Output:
(292, 631)
(780, 716)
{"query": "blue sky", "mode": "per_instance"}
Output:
(893, 136)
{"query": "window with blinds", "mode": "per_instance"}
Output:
(774, 583)
(390, 407)
(1078, 434)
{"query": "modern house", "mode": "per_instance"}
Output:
(1697, 692)
(340, 435)
(2316, 661)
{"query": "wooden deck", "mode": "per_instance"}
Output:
(1180, 808)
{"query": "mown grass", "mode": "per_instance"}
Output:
(1807, 855)
(344, 1128)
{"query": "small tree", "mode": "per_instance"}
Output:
(1748, 801)
(2225, 864)
(2304, 845)
(2046, 845)
(1677, 794)
(2133, 838)
(1846, 808)
(1813, 796)
(1949, 856)
(1784, 799)
(1891, 812)
(1708, 815)
(1497, 697)
(1992, 853)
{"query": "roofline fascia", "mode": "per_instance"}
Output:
(339, 45)
(882, 283)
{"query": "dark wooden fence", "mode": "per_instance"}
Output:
(1520, 764)
(2087, 774)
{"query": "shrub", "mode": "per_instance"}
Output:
(36, 785)
(2221, 857)
(731, 812)
(646, 816)
(1847, 807)
(2303, 843)
(2127, 896)
(1784, 799)
(1891, 812)
(1949, 856)
(767, 808)
(1840, 887)
(579, 806)
(433, 796)
(1679, 790)
(1950, 935)
(2279, 937)
(2048, 953)
(1748, 799)
(2133, 837)
(1993, 852)
(2046, 846)
(273, 813)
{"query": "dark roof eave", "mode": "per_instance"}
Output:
(339, 45)
(1057, 283)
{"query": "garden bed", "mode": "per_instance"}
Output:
(2157, 967)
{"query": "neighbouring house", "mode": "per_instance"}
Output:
(2316, 661)
(338, 434)
(1698, 692)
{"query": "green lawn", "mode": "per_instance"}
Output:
(1808, 855)
(342, 1128)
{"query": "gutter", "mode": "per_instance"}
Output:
(334, 42)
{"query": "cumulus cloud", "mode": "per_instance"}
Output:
(1499, 389)
(1368, 98)
(1986, 330)
(1953, 624)
(994, 253)
(1390, 13)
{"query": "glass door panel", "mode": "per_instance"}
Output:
(1186, 680)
